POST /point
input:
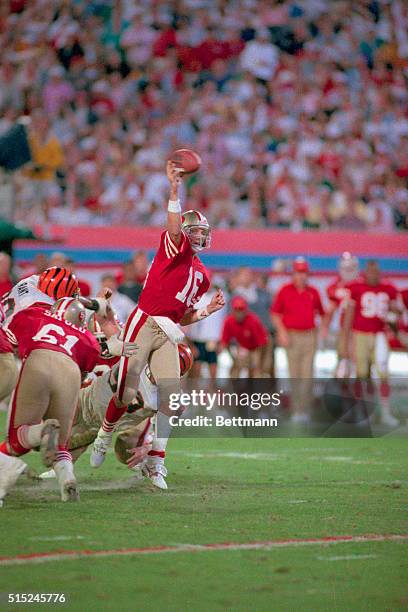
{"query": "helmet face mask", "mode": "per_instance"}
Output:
(197, 230)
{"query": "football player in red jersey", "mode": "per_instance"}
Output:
(371, 301)
(55, 349)
(338, 293)
(8, 366)
(175, 282)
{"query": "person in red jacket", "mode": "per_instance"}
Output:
(294, 313)
(245, 329)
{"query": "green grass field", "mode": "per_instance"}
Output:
(221, 490)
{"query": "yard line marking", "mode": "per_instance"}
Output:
(347, 558)
(59, 538)
(276, 456)
(65, 555)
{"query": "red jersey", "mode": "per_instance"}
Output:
(36, 328)
(249, 333)
(175, 282)
(338, 292)
(5, 286)
(5, 344)
(372, 304)
(298, 307)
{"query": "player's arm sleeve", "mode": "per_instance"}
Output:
(170, 250)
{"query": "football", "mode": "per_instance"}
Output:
(187, 160)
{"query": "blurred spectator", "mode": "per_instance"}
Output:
(298, 110)
(244, 336)
(121, 304)
(47, 157)
(294, 313)
(254, 290)
(129, 286)
(84, 286)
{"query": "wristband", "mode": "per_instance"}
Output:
(202, 313)
(174, 206)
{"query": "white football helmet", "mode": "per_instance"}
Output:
(191, 220)
(71, 310)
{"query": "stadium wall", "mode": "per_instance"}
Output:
(102, 247)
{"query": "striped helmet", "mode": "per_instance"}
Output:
(58, 283)
(192, 219)
(186, 359)
(71, 310)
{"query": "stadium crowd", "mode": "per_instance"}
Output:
(297, 107)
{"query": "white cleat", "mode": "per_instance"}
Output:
(64, 471)
(101, 444)
(49, 441)
(156, 473)
(389, 420)
(10, 470)
(47, 475)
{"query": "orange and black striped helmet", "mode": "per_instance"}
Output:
(58, 283)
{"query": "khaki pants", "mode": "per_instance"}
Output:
(301, 352)
(48, 387)
(250, 360)
(155, 348)
(8, 374)
(370, 349)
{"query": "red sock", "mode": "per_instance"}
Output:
(358, 389)
(15, 437)
(112, 416)
(63, 454)
(4, 449)
(154, 453)
(384, 389)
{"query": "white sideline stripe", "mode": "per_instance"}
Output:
(36, 558)
(274, 456)
(60, 538)
(347, 558)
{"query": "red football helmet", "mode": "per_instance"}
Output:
(186, 359)
(58, 283)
